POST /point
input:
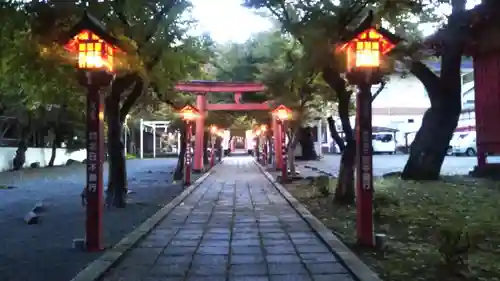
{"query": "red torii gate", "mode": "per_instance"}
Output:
(201, 88)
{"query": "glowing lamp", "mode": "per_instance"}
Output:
(283, 113)
(189, 113)
(263, 128)
(93, 47)
(213, 129)
(93, 52)
(367, 46)
(258, 132)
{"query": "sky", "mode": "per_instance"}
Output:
(227, 21)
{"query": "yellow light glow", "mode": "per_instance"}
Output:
(283, 114)
(213, 129)
(189, 114)
(93, 52)
(263, 128)
(258, 132)
(101, 115)
(367, 58)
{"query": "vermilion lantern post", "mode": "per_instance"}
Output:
(189, 114)
(365, 52)
(257, 143)
(213, 135)
(94, 52)
(282, 115)
(263, 129)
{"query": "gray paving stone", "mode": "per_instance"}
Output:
(246, 250)
(312, 249)
(245, 242)
(141, 256)
(247, 259)
(286, 268)
(208, 270)
(213, 250)
(169, 270)
(283, 258)
(237, 228)
(323, 268)
(174, 259)
(210, 259)
(279, 249)
(332, 277)
(205, 278)
(249, 278)
(184, 243)
(179, 250)
(248, 269)
(318, 257)
(294, 277)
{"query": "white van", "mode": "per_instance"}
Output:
(464, 143)
(384, 143)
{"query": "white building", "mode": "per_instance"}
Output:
(403, 102)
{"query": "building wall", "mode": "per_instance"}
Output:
(40, 155)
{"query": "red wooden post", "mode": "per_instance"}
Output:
(277, 144)
(187, 157)
(200, 131)
(95, 158)
(364, 171)
(284, 168)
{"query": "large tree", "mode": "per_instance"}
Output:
(320, 26)
(159, 52)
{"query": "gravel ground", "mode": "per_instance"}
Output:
(43, 252)
(382, 164)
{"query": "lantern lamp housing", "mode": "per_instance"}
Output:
(189, 113)
(367, 45)
(94, 47)
(282, 113)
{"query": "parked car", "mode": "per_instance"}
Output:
(464, 143)
(384, 143)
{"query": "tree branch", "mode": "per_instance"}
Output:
(132, 98)
(119, 9)
(380, 89)
(156, 21)
(428, 78)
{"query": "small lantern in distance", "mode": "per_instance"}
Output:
(189, 113)
(282, 113)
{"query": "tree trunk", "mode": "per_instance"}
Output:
(334, 134)
(307, 144)
(53, 151)
(344, 192)
(292, 145)
(179, 169)
(117, 172)
(429, 148)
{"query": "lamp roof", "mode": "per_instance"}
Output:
(367, 23)
(91, 23)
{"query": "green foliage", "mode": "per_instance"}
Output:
(443, 230)
(323, 185)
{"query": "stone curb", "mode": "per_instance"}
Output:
(356, 267)
(96, 269)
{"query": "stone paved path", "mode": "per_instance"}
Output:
(233, 227)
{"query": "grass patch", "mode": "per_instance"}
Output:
(443, 231)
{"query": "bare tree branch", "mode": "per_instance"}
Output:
(380, 89)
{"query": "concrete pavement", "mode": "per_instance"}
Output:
(235, 226)
(43, 251)
(382, 164)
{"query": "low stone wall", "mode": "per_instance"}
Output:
(40, 155)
